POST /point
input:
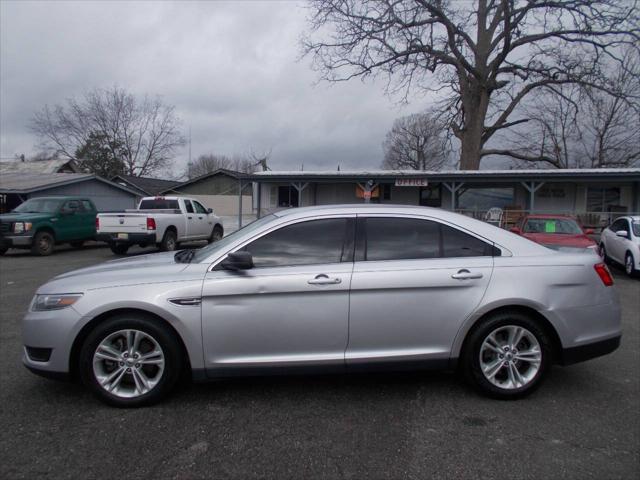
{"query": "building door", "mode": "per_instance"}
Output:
(287, 196)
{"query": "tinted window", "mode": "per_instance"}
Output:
(459, 244)
(87, 205)
(619, 225)
(159, 204)
(188, 206)
(401, 238)
(305, 243)
(407, 238)
(199, 208)
(71, 206)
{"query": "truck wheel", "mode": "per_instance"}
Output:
(43, 244)
(3, 250)
(77, 243)
(169, 241)
(119, 248)
(130, 360)
(216, 234)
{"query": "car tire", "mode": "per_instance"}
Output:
(77, 243)
(629, 265)
(3, 250)
(603, 254)
(216, 234)
(119, 248)
(110, 361)
(43, 244)
(169, 241)
(514, 375)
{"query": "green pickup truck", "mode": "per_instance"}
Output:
(41, 223)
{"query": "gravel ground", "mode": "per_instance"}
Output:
(583, 423)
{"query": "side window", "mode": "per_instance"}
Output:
(199, 208)
(459, 244)
(618, 225)
(304, 243)
(401, 239)
(188, 206)
(71, 206)
(87, 206)
(408, 238)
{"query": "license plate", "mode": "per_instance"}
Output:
(123, 236)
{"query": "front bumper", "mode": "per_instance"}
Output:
(16, 241)
(132, 238)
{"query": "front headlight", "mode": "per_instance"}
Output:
(55, 302)
(20, 227)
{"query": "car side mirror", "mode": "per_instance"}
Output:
(516, 230)
(588, 231)
(622, 233)
(237, 261)
(209, 210)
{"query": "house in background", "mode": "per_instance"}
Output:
(107, 196)
(39, 166)
(218, 190)
(146, 186)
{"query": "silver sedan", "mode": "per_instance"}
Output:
(336, 288)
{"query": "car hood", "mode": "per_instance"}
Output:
(578, 241)
(25, 217)
(152, 268)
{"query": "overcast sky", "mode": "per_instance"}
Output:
(230, 68)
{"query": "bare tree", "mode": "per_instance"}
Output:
(483, 58)
(415, 142)
(209, 163)
(574, 126)
(144, 132)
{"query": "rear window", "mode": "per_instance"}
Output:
(159, 204)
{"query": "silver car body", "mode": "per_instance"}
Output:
(618, 246)
(339, 315)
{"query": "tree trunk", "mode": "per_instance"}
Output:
(475, 102)
(471, 140)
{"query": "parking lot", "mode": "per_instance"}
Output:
(584, 422)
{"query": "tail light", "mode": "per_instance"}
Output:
(604, 274)
(97, 223)
(151, 223)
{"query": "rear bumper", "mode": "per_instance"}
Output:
(16, 240)
(132, 238)
(590, 350)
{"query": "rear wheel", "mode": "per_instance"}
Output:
(130, 361)
(507, 356)
(629, 264)
(119, 248)
(3, 250)
(169, 241)
(43, 244)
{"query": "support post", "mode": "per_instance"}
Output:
(239, 204)
(299, 186)
(453, 187)
(259, 203)
(532, 187)
(368, 187)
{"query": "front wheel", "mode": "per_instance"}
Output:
(603, 254)
(507, 356)
(3, 250)
(43, 244)
(629, 264)
(130, 361)
(216, 234)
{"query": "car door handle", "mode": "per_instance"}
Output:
(465, 274)
(189, 218)
(323, 279)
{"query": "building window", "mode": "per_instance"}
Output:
(483, 198)
(287, 196)
(431, 196)
(602, 199)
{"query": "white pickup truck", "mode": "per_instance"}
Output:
(162, 221)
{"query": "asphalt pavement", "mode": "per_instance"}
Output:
(584, 422)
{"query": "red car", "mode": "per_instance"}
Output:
(555, 231)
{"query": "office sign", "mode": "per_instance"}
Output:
(411, 182)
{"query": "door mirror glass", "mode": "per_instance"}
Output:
(237, 261)
(622, 233)
(209, 210)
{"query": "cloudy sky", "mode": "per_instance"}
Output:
(230, 68)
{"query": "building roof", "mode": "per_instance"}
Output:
(23, 183)
(146, 185)
(39, 166)
(613, 174)
(219, 171)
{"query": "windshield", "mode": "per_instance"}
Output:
(563, 226)
(39, 205)
(212, 248)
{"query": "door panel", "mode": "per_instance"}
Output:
(273, 317)
(411, 310)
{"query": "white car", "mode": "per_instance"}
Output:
(162, 221)
(620, 242)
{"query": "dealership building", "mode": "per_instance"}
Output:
(593, 195)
